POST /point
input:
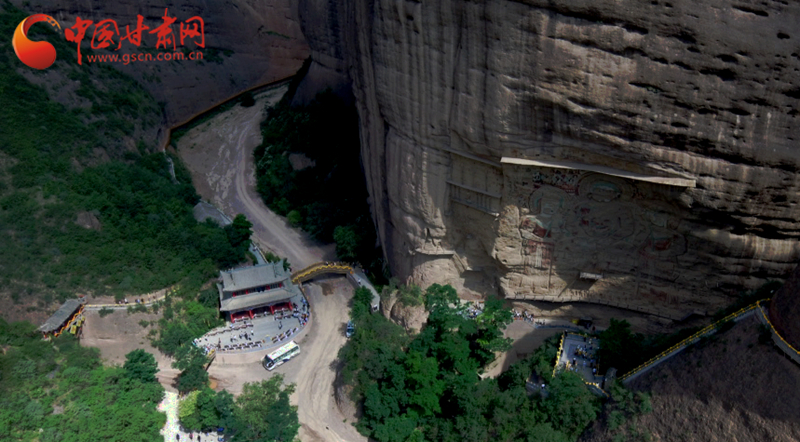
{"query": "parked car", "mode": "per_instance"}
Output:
(351, 328)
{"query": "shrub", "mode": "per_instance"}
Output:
(105, 311)
(294, 218)
(136, 308)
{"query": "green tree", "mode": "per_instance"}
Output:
(187, 411)
(264, 413)
(191, 361)
(198, 411)
(362, 302)
(621, 348)
(543, 359)
(239, 233)
(140, 365)
(294, 218)
(347, 243)
(570, 406)
(491, 323)
(225, 407)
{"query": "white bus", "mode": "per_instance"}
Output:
(280, 355)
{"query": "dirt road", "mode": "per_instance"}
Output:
(219, 156)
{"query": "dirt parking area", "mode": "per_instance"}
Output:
(119, 333)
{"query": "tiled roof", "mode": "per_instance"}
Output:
(55, 322)
(249, 277)
(257, 299)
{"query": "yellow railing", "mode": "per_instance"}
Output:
(597, 386)
(705, 330)
(558, 358)
(74, 319)
(558, 355)
(321, 267)
(775, 332)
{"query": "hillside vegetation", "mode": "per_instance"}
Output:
(59, 391)
(427, 387)
(328, 198)
(84, 204)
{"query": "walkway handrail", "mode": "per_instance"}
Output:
(558, 358)
(709, 329)
(796, 355)
(560, 349)
(170, 291)
(321, 267)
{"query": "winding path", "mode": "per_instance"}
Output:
(231, 180)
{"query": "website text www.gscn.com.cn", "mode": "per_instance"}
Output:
(144, 57)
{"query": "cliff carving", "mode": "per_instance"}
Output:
(636, 154)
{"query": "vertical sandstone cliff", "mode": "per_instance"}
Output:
(651, 147)
(784, 310)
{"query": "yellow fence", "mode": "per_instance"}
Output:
(73, 324)
(707, 330)
(320, 268)
(560, 349)
(558, 358)
(788, 349)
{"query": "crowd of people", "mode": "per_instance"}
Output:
(298, 312)
(474, 310)
(208, 437)
(124, 301)
(583, 355)
(522, 315)
(237, 336)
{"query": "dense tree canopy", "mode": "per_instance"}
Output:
(59, 391)
(204, 410)
(83, 203)
(141, 365)
(191, 361)
(329, 198)
(239, 233)
(428, 387)
(264, 413)
(347, 243)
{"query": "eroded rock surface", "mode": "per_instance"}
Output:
(511, 146)
(784, 310)
(411, 317)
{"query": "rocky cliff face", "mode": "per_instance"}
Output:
(247, 43)
(629, 153)
(784, 310)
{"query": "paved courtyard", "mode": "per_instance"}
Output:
(260, 333)
(579, 354)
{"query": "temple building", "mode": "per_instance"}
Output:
(250, 291)
(69, 317)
